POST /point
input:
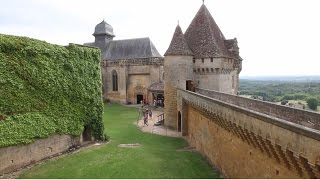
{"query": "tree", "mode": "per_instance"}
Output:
(312, 103)
(284, 102)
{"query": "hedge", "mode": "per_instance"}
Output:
(47, 89)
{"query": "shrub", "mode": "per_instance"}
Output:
(312, 103)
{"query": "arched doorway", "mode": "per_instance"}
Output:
(139, 98)
(179, 121)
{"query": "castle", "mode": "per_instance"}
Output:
(199, 78)
(134, 71)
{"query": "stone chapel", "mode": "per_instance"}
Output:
(132, 69)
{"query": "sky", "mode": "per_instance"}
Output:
(275, 37)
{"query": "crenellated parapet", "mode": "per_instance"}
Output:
(213, 126)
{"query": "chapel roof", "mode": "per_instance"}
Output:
(130, 49)
(204, 37)
(178, 45)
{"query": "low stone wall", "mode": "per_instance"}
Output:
(14, 157)
(244, 143)
(298, 116)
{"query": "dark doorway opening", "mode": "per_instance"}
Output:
(179, 121)
(87, 134)
(189, 85)
(139, 98)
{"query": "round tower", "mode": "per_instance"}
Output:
(177, 75)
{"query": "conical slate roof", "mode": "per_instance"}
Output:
(204, 37)
(178, 45)
(103, 28)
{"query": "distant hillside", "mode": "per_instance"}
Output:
(282, 78)
(281, 89)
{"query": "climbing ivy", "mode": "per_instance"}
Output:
(48, 89)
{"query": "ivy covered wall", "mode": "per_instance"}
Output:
(48, 89)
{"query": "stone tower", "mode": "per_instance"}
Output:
(200, 58)
(178, 72)
(103, 33)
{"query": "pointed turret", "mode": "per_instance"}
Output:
(178, 45)
(204, 37)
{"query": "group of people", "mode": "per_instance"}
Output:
(158, 102)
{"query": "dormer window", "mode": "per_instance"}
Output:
(202, 59)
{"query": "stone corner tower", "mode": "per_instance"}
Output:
(178, 71)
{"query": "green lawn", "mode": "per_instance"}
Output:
(156, 158)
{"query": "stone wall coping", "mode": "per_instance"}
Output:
(306, 131)
(135, 62)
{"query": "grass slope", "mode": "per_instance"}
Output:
(157, 158)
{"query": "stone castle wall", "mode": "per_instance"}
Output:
(15, 157)
(217, 74)
(244, 143)
(170, 107)
(298, 116)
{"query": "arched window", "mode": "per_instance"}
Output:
(114, 80)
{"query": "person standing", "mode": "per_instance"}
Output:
(145, 118)
(150, 113)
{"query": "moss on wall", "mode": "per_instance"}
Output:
(48, 89)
